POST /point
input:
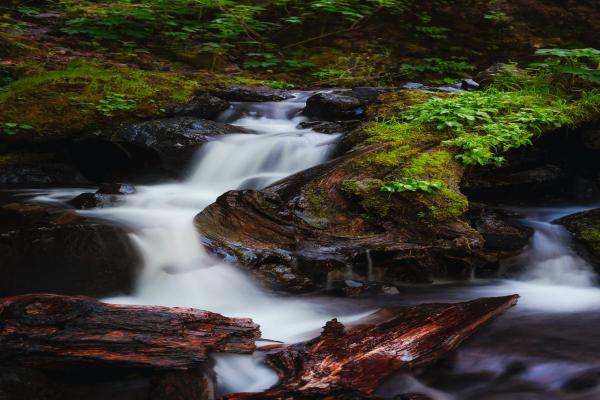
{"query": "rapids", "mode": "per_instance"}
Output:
(533, 352)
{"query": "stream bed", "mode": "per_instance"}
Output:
(545, 348)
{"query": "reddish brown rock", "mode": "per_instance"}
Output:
(50, 331)
(360, 357)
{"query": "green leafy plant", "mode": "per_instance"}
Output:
(115, 102)
(581, 63)
(12, 128)
(411, 185)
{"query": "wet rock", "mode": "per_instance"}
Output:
(330, 127)
(353, 288)
(412, 396)
(161, 146)
(203, 105)
(41, 173)
(449, 88)
(500, 184)
(469, 85)
(116, 188)
(283, 277)
(366, 94)
(585, 227)
(500, 229)
(333, 107)
(414, 86)
(52, 251)
(107, 195)
(361, 356)
(309, 223)
(251, 93)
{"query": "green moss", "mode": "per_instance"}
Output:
(13, 159)
(591, 237)
(64, 101)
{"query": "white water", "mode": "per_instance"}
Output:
(178, 272)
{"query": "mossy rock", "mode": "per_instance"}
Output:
(585, 227)
(65, 102)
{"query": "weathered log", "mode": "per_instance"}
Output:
(49, 331)
(360, 357)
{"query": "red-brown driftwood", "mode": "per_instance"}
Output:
(360, 357)
(51, 330)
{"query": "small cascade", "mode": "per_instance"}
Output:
(370, 274)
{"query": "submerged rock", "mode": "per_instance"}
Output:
(164, 145)
(251, 93)
(46, 250)
(353, 288)
(333, 107)
(108, 194)
(330, 127)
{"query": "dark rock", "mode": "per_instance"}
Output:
(86, 201)
(413, 86)
(367, 95)
(416, 86)
(283, 277)
(582, 382)
(307, 223)
(161, 146)
(449, 89)
(590, 137)
(333, 107)
(107, 195)
(116, 188)
(470, 85)
(203, 105)
(585, 227)
(330, 127)
(353, 288)
(41, 173)
(500, 184)
(500, 229)
(52, 251)
(251, 93)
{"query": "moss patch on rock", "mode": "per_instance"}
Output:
(65, 101)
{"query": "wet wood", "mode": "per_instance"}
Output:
(47, 331)
(360, 357)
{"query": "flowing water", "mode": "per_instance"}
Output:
(530, 353)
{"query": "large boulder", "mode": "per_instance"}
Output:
(202, 105)
(161, 146)
(333, 107)
(251, 93)
(54, 251)
(313, 225)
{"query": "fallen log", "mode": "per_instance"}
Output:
(360, 357)
(49, 331)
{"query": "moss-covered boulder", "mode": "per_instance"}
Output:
(585, 227)
(329, 221)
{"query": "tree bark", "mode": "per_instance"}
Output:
(360, 357)
(49, 331)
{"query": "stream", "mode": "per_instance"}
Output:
(545, 348)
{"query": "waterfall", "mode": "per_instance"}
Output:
(178, 272)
